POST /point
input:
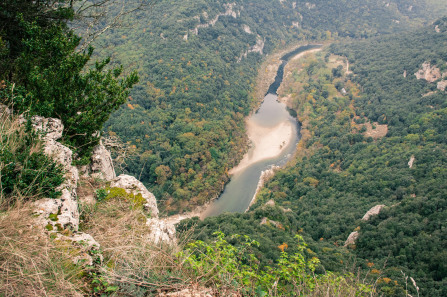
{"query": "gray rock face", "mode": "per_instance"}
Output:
(64, 210)
(52, 128)
(102, 164)
(352, 238)
(134, 186)
(373, 212)
(161, 231)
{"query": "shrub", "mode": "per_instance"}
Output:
(25, 170)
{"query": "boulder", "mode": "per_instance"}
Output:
(134, 186)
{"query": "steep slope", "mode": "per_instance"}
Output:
(197, 61)
(372, 136)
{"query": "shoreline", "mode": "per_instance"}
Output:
(267, 143)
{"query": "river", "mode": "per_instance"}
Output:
(274, 135)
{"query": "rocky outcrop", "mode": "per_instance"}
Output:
(161, 231)
(352, 238)
(310, 5)
(247, 29)
(102, 164)
(135, 187)
(61, 213)
(373, 212)
(442, 85)
(410, 163)
(228, 12)
(428, 72)
(267, 221)
(257, 48)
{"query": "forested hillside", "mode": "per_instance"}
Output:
(375, 135)
(197, 61)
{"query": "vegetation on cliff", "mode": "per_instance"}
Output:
(43, 73)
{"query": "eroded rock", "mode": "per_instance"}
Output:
(373, 212)
(352, 238)
(133, 186)
(428, 72)
(161, 231)
(50, 128)
(67, 213)
(102, 164)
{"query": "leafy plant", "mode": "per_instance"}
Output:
(24, 168)
(101, 194)
(229, 266)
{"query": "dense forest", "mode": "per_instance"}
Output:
(373, 113)
(361, 130)
(197, 61)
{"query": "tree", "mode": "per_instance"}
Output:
(46, 75)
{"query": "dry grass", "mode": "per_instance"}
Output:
(131, 260)
(32, 264)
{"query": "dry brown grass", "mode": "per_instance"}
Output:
(32, 264)
(131, 260)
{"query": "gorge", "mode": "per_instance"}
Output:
(273, 135)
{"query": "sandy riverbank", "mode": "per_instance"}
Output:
(266, 143)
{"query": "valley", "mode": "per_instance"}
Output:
(240, 148)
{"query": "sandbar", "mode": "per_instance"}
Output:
(266, 142)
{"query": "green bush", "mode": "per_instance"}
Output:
(24, 169)
(46, 75)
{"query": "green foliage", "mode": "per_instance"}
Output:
(225, 265)
(100, 286)
(25, 171)
(356, 173)
(101, 194)
(187, 113)
(50, 78)
(118, 193)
